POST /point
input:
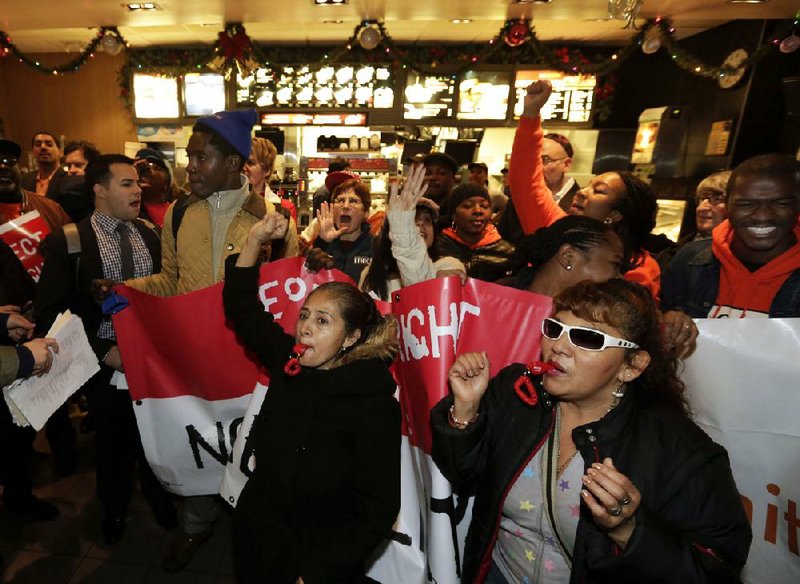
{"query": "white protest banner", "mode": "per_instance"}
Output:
(744, 389)
(33, 400)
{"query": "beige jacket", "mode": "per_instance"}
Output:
(190, 269)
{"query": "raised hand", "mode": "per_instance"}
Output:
(327, 228)
(537, 95)
(272, 226)
(469, 378)
(413, 189)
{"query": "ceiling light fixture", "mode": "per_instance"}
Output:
(136, 6)
(330, 2)
(370, 37)
(748, 1)
(461, 20)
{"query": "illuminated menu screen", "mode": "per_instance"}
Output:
(343, 86)
(155, 96)
(571, 101)
(483, 95)
(429, 97)
(203, 93)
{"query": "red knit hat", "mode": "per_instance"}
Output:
(334, 179)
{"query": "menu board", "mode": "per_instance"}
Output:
(203, 93)
(429, 97)
(155, 96)
(483, 95)
(343, 86)
(571, 101)
(300, 119)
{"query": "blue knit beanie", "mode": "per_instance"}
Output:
(234, 126)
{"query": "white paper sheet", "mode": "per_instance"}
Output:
(33, 400)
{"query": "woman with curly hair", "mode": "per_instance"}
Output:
(585, 467)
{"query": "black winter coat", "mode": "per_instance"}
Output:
(326, 487)
(487, 262)
(690, 526)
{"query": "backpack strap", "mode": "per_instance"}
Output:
(73, 245)
(73, 238)
(178, 211)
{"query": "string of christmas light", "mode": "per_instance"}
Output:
(234, 51)
(8, 48)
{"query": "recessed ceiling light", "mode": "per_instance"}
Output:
(461, 21)
(136, 6)
(748, 1)
(333, 21)
(330, 2)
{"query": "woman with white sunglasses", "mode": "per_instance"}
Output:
(586, 467)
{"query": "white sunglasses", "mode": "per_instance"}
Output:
(583, 337)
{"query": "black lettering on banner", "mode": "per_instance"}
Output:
(456, 513)
(196, 441)
(233, 430)
(247, 452)
(400, 538)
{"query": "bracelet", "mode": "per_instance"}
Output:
(456, 423)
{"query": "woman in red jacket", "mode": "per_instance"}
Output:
(617, 198)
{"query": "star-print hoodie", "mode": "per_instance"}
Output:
(743, 293)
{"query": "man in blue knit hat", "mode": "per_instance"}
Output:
(200, 231)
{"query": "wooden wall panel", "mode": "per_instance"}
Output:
(82, 105)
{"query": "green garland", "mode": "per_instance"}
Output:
(234, 51)
(73, 66)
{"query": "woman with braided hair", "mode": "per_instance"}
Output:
(326, 487)
(573, 249)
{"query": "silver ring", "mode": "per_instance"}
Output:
(626, 500)
(615, 511)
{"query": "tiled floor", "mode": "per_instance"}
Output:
(70, 549)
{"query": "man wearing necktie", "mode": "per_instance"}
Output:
(116, 245)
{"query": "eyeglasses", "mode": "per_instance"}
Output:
(582, 337)
(547, 160)
(352, 201)
(713, 199)
(8, 160)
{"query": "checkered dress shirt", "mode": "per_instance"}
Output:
(105, 228)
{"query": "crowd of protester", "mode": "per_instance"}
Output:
(621, 321)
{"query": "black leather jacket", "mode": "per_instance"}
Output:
(690, 527)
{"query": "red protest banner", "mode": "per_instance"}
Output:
(440, 319)
(181, 346)
(23, 235)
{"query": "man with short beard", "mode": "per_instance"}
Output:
(46, 180)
